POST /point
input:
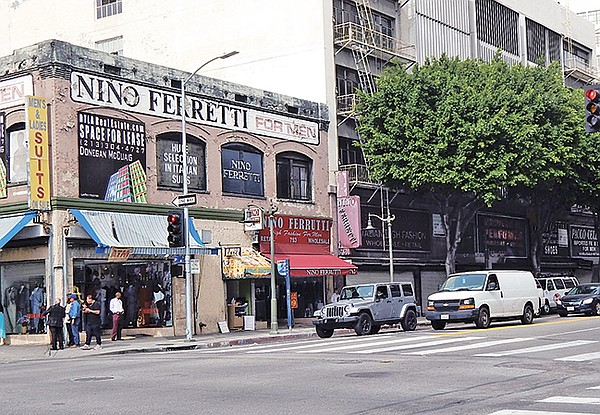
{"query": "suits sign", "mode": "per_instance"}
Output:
(36, 114)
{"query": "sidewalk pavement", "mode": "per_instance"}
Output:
(150, 344)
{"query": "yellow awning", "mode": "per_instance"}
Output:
(250, 264)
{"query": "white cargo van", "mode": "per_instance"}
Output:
(482, 296)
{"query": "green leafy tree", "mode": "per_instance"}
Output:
(466, 132)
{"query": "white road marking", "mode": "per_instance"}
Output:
(521, 412)
(314, 344)
(594, 388)
(362, 345)
(470, 346)
(539, 348)
(581, 357)
(417, 345)
(571, 399)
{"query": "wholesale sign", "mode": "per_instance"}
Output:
(584, 241)
(36, 122)
(112, 158)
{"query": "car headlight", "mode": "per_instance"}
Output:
(558, 301)
(347, 309)
(466, 304)
(318, 313)
(587, 301)
(430, 306)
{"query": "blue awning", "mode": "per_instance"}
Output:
(11, 225)
(145, 234)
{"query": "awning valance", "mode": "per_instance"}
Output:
(304, 265)
(11, 225)
(250, 264)
(144, 234)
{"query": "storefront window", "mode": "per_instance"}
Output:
(23, 297)
(145, 287)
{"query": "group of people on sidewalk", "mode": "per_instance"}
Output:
(71, 316)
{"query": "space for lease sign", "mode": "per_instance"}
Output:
(91, 89)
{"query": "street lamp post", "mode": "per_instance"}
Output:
(186, 213)
(271, 213)
(388, 219)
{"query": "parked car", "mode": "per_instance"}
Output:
(585, 298)
(554, 287)
(366, 307)
(482, 296)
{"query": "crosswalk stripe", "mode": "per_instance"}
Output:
(539, 348)
(313, 344)
(581, 357)
(525, 412)
(595, 387)
(417, 345)
(469, 346)
(362, 345)
(571, 399)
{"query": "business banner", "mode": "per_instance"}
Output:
(13, 91)
(3, 164)
(112, 158)
(348, 220)
(584, 242)
(36, 124)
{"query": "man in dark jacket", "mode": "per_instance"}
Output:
(56, 317)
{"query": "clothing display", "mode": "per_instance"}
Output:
(10, 309)
(36, 300)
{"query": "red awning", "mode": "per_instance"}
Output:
(316, 265)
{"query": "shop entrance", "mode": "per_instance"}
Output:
(145, 288)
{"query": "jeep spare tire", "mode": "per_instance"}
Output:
(364, 324)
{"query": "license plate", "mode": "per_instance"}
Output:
(570, 308)
(445, 317)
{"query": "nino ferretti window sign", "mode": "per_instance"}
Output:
(112, 158)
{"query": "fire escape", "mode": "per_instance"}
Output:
(368, 46)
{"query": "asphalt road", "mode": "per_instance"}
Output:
(545, 368)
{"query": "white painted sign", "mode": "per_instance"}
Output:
(13, 91)
(106, 92)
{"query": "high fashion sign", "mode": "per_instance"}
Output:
(91, 89)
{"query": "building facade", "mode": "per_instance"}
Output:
(92, 160)
(322, 50)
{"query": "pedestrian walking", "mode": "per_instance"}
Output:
(75, 316)
(56, 318)
(2, 329)
(92, 323)
(116, 308)
(68, 322)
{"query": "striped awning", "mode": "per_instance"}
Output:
(11, 225)
(144, 234)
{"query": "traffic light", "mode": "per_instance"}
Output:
(176, 229)
(592, 109)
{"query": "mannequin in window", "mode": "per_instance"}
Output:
(10, 308)
(159, 301)
(36, 300)
(22, 300)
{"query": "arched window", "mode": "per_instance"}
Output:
(294, 176)
(15, 153)
(169, 162)
(242, 170)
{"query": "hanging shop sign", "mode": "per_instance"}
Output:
(502, 235)
(119, 254)
(3, 164)
(13, 91)
(112, 158)
(411, 231)
(556, 240)
(169, 161)
(348, 221)
(584, 241)
(125, 96)
(36, 124)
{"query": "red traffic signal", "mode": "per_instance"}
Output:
(176, 229)
(592, 109)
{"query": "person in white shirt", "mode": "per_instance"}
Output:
(116, 308)
(159, 301)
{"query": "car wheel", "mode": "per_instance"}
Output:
(546, 308)
(597, 308)
(438, 325)
(527, 317)
(409, 322)
(560, 313)
(483, 319)
(375, 329)
(324, 333)
(364, 324)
